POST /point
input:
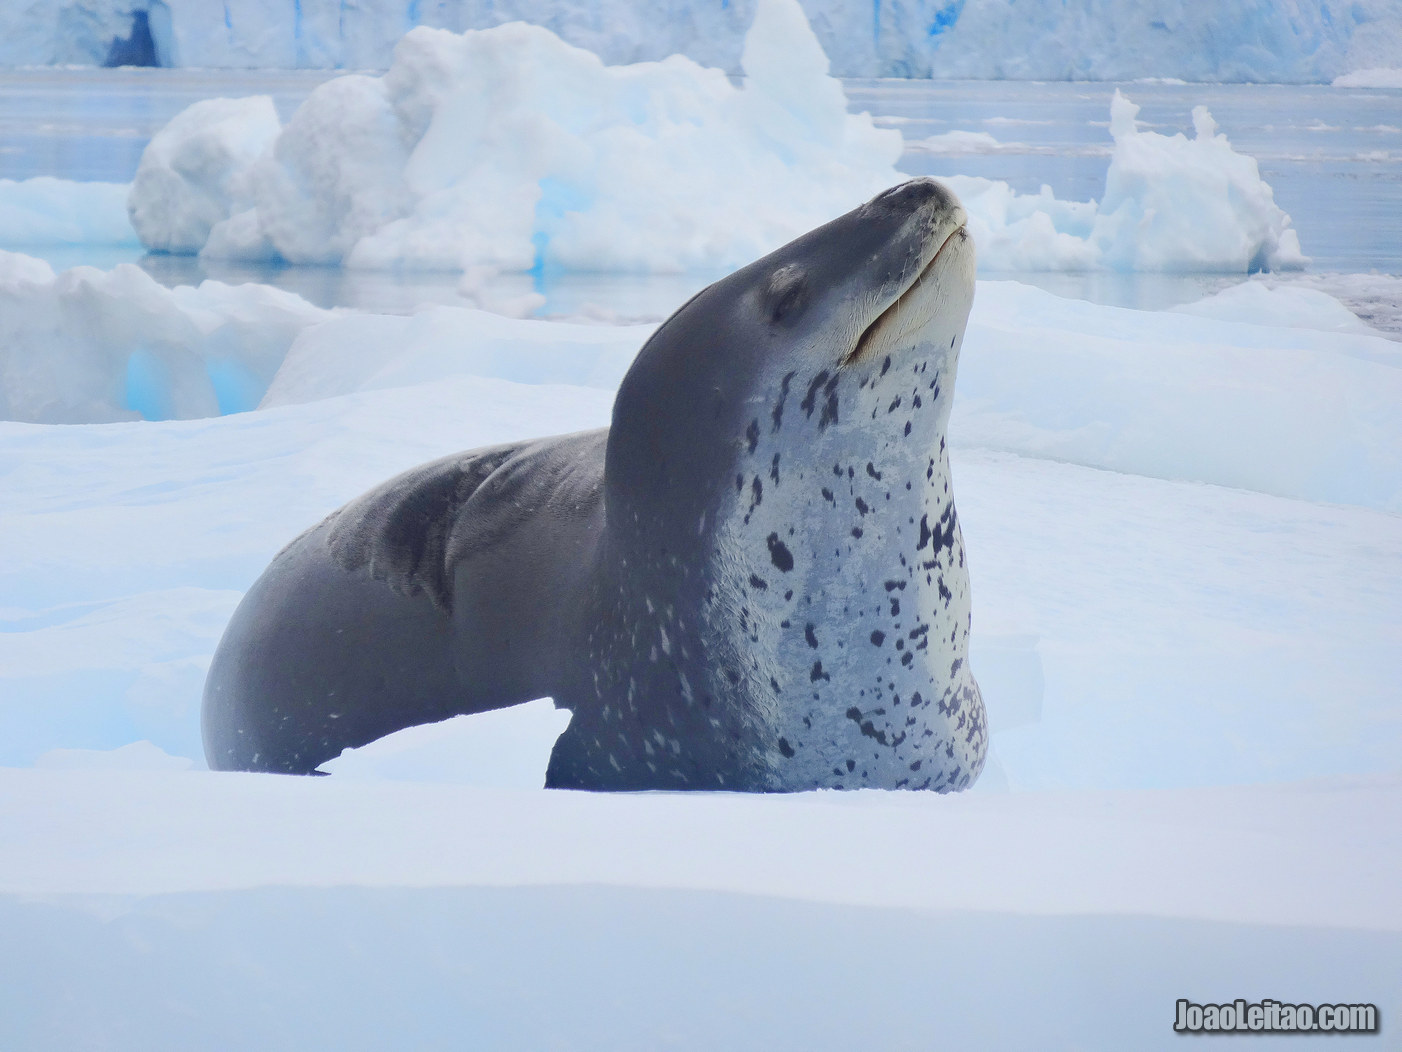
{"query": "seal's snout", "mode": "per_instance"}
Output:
(917, 195)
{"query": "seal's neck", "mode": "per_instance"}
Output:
(841, 580)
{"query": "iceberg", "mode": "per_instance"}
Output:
(510, 149)
(1171, 204)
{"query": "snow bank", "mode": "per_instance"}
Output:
(1295, 412)
(1170, 204)
(49, 211)
(508, 148)
(1299, 41)
(1374, 298)
(359, 352)
(1270, 391)
(1160, 394)
(1294, 305)
(286, 914)
(91, 345)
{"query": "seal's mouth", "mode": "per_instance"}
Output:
(914, 305)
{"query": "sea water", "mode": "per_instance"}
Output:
(1332, 155)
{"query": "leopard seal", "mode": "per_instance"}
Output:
(753, 580)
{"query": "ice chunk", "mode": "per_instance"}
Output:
(508, 148)
(1179, 204)
(193, 172)
(91, 345)
(1170, 204)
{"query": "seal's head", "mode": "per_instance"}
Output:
(778, 503)
(893, 278)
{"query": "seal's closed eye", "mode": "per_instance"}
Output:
(788, 293)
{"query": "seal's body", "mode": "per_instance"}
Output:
(753, 580)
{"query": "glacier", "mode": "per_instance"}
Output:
(1292, 41)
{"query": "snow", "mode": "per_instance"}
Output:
(1287, 607)
(1184, 532)
(1290, 411)
(1298, 41)
(357, 352)
(153, 910)
(1177, 855)
(1297, 306)
(506, 749)
(1218, 398)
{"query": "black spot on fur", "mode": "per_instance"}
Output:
(752, 435)
(777, 414)
(878, 637)
(810, 400)
(829, 413)
(779, 554)
(786, 748)
(756, 581)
